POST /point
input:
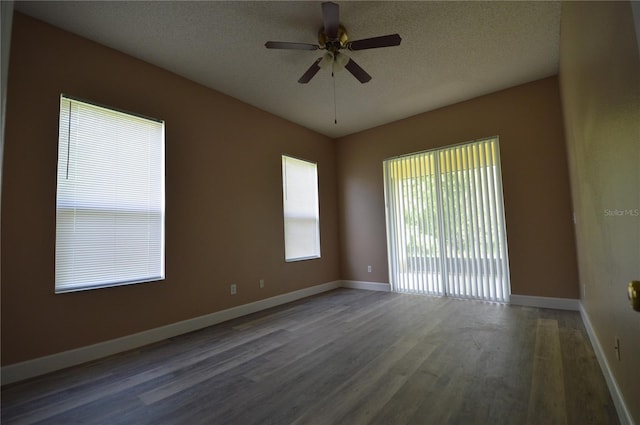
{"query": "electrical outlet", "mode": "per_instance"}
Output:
(234, 289)
(369, 269)
(617, 348)
(262, 283)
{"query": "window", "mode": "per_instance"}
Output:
(301, 218)
(445, 222)
(110, 198)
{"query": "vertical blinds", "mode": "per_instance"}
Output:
(110, 198)
(301, 212)
(445, 222)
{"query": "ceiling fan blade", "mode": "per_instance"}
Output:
(357, 72)
(375, 42)
(313, 70)
(331, 19)
(292, 46)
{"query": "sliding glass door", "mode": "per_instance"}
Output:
(445, 222)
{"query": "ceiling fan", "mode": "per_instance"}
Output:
(333, 38)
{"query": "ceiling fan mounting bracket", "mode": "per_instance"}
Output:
(333, 45)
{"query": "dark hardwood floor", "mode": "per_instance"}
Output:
(343, 357)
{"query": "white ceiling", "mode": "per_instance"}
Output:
(450, 51)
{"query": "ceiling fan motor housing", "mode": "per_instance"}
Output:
(333, 45)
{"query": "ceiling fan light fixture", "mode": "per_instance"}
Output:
(326, 61)
(340, 61)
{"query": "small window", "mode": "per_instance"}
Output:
(110, 202)
(301, 217)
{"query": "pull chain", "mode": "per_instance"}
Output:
(335, 109)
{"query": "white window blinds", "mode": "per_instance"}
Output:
(445, 222)
(110, 198)
(301, 217)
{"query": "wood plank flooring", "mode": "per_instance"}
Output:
(343, 357)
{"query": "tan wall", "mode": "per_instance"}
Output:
(528, 120)
(600, 82)
(224, 197)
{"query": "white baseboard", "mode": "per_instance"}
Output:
(623, 413)
(40, 366)
(369, 286)
(545, 302)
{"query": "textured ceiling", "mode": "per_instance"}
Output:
(450, 51)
